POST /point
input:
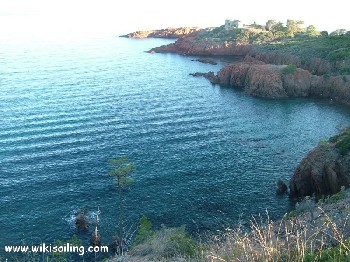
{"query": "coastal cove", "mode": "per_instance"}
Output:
(205, 156)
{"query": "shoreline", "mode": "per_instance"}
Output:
(270, 74)
(266, 65)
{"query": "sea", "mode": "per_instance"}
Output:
(206, 157)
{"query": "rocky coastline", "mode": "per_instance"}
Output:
(262, 72)
(171, 33)
(281, 81)
(266, 71)
(193, 44)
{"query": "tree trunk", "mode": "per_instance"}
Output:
(121, 217)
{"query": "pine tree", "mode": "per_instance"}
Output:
(121, 168)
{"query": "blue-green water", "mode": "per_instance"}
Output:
(205, 156)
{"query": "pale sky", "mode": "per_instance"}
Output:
(84, 17)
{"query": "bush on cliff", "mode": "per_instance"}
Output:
(289, 69)
(339, 54)
(167, 243)
(144, 231)
(344, 145)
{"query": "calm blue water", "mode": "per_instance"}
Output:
(205, 156)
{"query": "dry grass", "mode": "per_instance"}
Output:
(289, 239)
(316, 232)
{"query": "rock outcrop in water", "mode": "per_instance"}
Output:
(281, 187)
(281, 81)
(210, 76)
(81, 220)
(163, 33)
(325, 169)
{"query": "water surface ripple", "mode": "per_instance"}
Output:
(205, 156)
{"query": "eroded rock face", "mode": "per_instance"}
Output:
(324, 170)
(297, 84)
(255, 79)
(271, 81)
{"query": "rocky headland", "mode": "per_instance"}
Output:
(280, 67)
(280, 64)
(198, 43)
(171, 33)
(282, 81)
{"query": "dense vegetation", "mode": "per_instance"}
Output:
(306, 43)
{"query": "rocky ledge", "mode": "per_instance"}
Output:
(207, 60)
(325, 169)
(281, 81)
(171, 33)
(192, 44)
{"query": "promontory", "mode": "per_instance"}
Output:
(274, 60)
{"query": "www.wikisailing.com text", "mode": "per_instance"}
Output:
(66, 248)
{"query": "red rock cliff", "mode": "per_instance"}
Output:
(192, 44)
(272, 81)
(324, 170)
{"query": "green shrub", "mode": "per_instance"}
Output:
(338, 253)
(144, 230)
(62, 256)
(333, 139)
(326, 76)
(344, 71)
(289, 69)
(184, 243)
(292, 213)
(339, 54)
(333, 198)
(344, 145)
(167, 243)
(323, 142)
(338, 196)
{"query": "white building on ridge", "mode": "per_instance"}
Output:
(229, 23)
